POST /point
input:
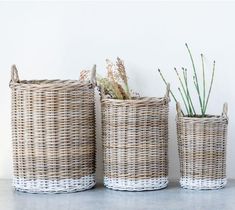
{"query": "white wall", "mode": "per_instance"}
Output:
(57, 40)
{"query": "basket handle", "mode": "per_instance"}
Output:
(93, 75)
(167, 95)
(178, 109)
(14, 74)
(225, 110)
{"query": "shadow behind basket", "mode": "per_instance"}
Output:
(53, 131)
(202, 150)
(135, 141)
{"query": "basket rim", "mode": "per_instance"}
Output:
(203, 119)
(208, 116)
(49, 83)
(135, 99)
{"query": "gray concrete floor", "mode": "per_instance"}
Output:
(100, 198)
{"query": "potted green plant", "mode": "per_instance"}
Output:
(201, 137)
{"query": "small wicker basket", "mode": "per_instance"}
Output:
(53, 131)
(202, 150)
(135, 143)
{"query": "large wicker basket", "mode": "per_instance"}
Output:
(53, 130)
(135, 143)
(202, 150)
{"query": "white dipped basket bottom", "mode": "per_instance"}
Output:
(135, 142)
(202, 150)
(53, 134)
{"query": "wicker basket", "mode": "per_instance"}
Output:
(135, 142)
(202, 150)
(53, 130)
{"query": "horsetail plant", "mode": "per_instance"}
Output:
(184, 90)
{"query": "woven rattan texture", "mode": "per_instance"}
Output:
(53, 131)
(135, 140)
(202, 151)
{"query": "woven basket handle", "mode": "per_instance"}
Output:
(167, 95)
(178, 109)
(225, 110)
(14, 74)
(93, 75)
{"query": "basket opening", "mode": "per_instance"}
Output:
(46, 81)
(200, 116)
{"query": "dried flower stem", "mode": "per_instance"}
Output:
(115, 85)
(122, 74)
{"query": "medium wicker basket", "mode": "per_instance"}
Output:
(53, 131)
(135, 143)
(202, 150)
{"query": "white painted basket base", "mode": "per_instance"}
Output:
(202, 184)
(54, 186)
(135, 185)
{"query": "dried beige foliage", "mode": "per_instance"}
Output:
(115, 85)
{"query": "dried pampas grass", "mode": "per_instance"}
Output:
(115, 85)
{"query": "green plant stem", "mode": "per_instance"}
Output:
(204, 85)
(187, 109)
(166, 84)
(185, 93)
(212, 79)
(170, 90)
(195, 84)
(187, 89)
(196, 79)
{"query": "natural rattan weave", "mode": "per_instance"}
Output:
(53, 131)
(135, 141)
(202, 150)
